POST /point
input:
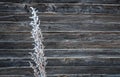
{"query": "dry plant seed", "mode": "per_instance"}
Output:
(38, 55)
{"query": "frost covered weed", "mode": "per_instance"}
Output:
(38, 55)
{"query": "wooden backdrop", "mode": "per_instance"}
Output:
(81, 37)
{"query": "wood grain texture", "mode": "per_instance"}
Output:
(64, 61)
(19, 53)
(84, 75)
(62, 45)
(60, 36)
(68, 75)
(67, 70)
(15, 76)
(96, 19)
(60, 27)
(84, 69)
(81, 37)
(62, 8)
(16, 70)
(64, 1)
(80, 57)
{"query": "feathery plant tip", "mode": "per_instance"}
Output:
(38, 55)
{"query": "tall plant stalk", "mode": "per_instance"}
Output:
(38, 55)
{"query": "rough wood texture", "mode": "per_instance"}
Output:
(81, 37)
(62, 44)
(61, 36)
(63, 8)
(96, 19)
(63, 1)
(60, 27)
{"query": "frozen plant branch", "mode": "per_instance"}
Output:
(38, 55)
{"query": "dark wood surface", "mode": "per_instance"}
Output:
(64, 1)
(81, 37)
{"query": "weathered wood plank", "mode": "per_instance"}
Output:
(96, 19)
(14, 63)
(90, 61)
(14, 27)
(80, 8)
(16, 70)
(15, 36)
(62, 45)
(68, 75)
(81, 36)
(85, 70)
(63, 8)
(81, 52)
(64, 1)
(82, 60)
(16, 45)
(54, 27)
(67, 70)
(84, 75)
(21, 53)
(14, 76)
(15, 53)
(77, 44)
(87, 61)
(60, 36)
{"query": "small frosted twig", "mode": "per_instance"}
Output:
(38, 55)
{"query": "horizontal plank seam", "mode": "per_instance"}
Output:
(70, 49)
(59, 31)
(93, 4)
(84, 57)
